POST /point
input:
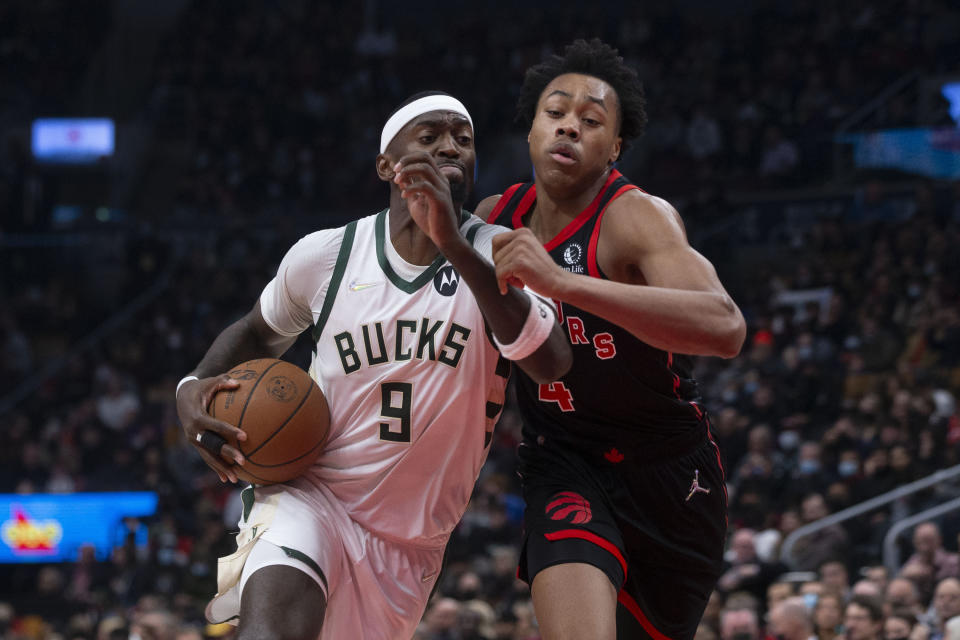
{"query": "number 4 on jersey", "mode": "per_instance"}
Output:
(557, 392)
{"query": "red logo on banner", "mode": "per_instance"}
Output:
(26, 535)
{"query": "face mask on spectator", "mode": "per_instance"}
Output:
(788, 440)
(847, 468)
(810, 601)
(809, 467)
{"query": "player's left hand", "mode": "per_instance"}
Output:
(521, 260)
(427, 192)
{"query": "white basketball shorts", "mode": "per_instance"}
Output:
(376, 589)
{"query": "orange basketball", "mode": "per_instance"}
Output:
(284, 414)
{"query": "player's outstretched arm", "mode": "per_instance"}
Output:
(682, 306)
(427, 194)
(248, 338)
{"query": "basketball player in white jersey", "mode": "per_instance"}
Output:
(411, 337)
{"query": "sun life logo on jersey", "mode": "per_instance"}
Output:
(446, 280)
(572, 253)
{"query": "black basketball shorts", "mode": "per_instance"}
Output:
(656, 529)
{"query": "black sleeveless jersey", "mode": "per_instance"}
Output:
(620, 392)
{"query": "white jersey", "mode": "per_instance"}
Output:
(412, 378)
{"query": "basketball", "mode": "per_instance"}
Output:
(284, 414)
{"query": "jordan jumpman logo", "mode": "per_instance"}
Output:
(695, 485)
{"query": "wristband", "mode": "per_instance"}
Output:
(536, 329)
(184, 381)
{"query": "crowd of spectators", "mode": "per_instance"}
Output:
(281, 101)
(846, 388)
(837, 397)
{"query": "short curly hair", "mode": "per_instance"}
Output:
(594, 58)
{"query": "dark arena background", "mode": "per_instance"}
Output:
(157, 159)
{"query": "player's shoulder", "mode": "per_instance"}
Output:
(486, 206)
(637, 207)
(317, 242)
(475, 226)
(318, 249)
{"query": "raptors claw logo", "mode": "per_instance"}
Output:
(569, 506)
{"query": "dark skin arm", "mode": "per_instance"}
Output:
(660, 289)
(427, 194)
(248, 338)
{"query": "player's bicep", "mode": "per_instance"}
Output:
(649, 245)
(679, 267)
(281, 308)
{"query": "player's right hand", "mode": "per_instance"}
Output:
(521, 260)
(426, 191)
(192, 401)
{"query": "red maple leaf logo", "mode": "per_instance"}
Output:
(613, 455)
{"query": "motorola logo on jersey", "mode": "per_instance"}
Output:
(572, 253)
(446, 281)
(569, 507)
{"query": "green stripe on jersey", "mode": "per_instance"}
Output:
(307, 560)
(346, 245)
(380, 226)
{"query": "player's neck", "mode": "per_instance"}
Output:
(557, 206)
(409, 241)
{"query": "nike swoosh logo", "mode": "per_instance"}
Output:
(360, 286)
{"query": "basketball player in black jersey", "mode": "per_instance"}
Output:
(626, 507)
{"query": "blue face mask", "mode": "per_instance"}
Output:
(810, 601)
(809, 467)
(788, 440)
(847, 468)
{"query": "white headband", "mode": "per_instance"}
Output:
(426, 104)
